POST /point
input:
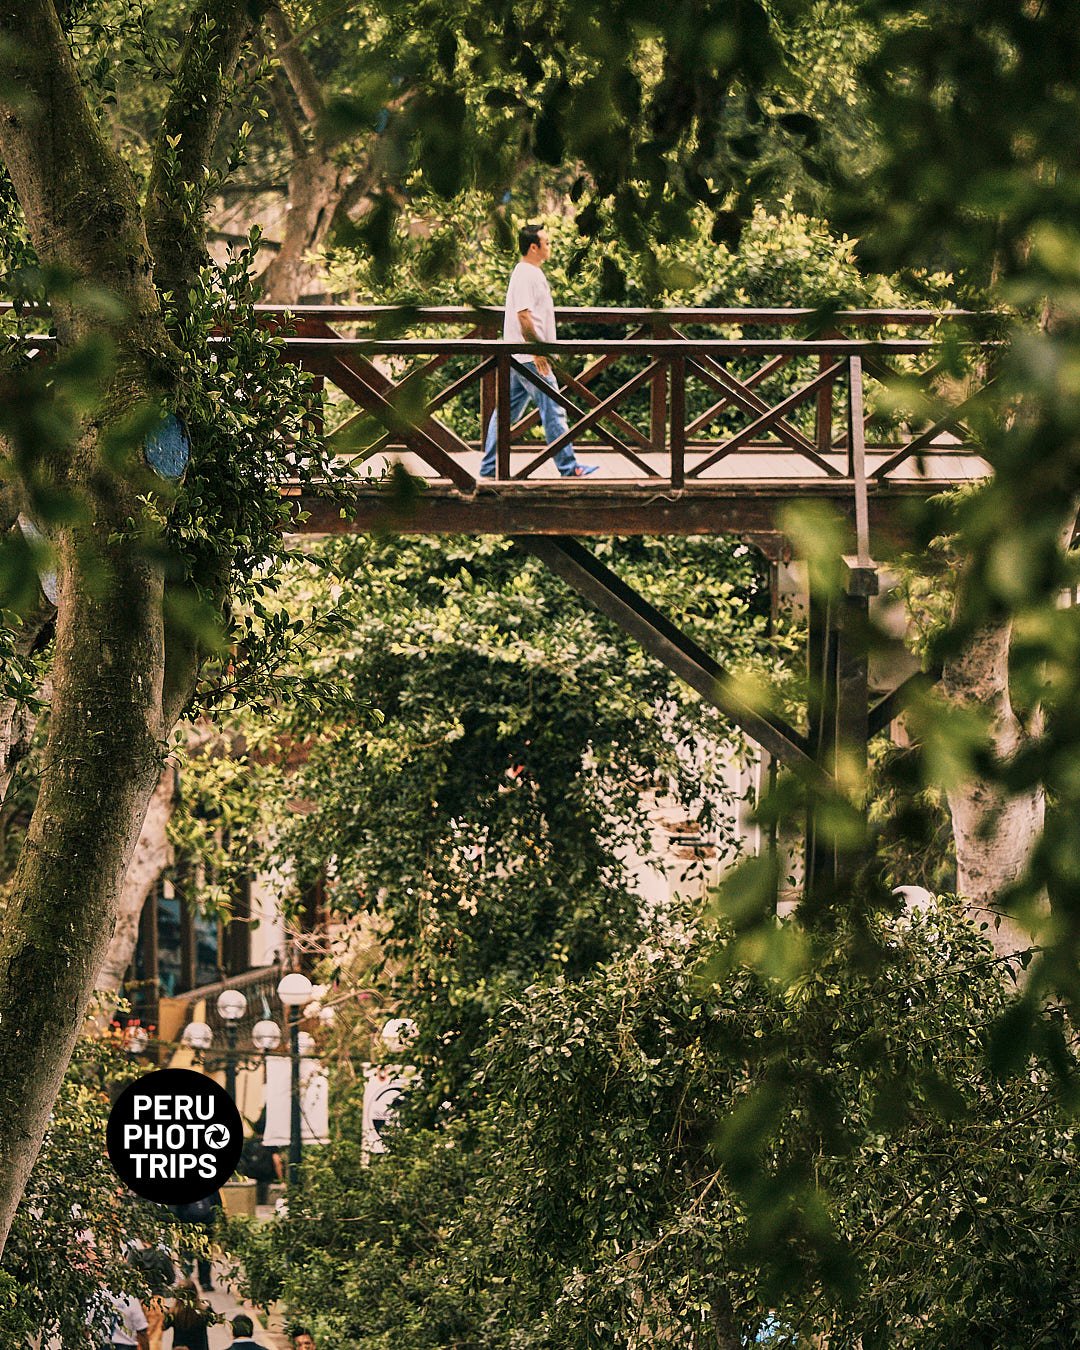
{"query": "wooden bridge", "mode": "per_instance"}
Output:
(701, 421)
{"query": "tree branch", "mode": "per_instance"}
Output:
(152, 855)
(180, 174)
(296, 66)
(283, 103)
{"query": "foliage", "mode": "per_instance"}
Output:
(909, 823)
(963, 171)
(784, 257)
(484, 812)
(595, 1204)
(976, 175)
(641, 126)
(75, 1227)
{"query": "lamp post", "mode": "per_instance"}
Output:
(231, 1007)
(294, 991)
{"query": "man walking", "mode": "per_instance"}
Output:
(243, 1328)
(529, 316)
(198, 1218)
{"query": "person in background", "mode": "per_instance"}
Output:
(156, 1265)
(200, 1216)
(261, 1164)
(126, 1321)
(529, 316)
(242, 1329)
(302, 1339)
(189, 1318)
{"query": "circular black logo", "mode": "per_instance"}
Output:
(174, 1136)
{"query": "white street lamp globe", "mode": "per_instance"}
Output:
(198, 1036)
(266, 1035)
(398, 1034)
(231, 1005)
(305, 1043)
(294, 990)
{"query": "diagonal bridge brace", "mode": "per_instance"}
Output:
(598, 584)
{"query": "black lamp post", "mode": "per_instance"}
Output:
(231, 1007)
(294, 991)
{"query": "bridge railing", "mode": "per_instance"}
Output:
(676, 399)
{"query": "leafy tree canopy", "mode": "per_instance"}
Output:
(594, 1201)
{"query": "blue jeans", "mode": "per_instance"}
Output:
(551, 415)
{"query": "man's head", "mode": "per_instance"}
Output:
(242, 1326)
(534, 243)
(303, 1340)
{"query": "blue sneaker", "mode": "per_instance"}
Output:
(581, 470)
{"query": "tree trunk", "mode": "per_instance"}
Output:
(100, 765)
(994, 831)
(116, 688)
(316, 187)
(152, 855)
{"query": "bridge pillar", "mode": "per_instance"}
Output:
(839, 731)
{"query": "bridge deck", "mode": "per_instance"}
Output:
(751, 510)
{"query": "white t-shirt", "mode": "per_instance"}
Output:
(127, 1317)
(529, 289)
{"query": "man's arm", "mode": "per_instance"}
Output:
(143, 1338)
(528, 329)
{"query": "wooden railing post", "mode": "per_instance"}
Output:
(678, 421)
(502, 413)
(823, 421)
(658, 400)
(487, 389)
(857, 458)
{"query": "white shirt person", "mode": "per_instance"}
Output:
(127, 1325)
(529, 316)
(529, 294)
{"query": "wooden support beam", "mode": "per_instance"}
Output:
(678, 421)
(611, 595)
(771, 418)
(952, 421)
(557, 506)
(435, 443)
(839, 712)
(896, 700)
(658, 401)
(857, 459)
(502, 414)
(586, 420)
